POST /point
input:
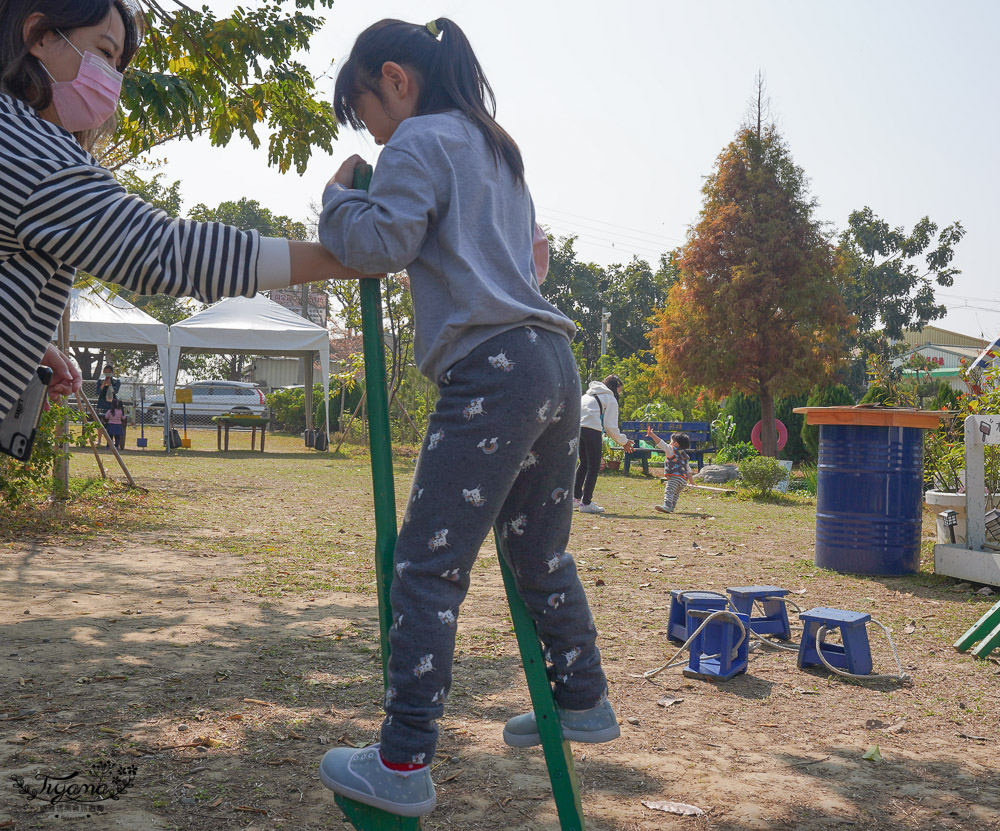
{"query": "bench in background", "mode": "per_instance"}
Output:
(699, 431)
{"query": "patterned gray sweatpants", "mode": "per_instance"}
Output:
(672, 490)
(501, 449)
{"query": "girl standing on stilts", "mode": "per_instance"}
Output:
(448, 203)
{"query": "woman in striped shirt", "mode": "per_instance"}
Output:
(60, 77)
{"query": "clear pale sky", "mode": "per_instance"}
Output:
(620, 110)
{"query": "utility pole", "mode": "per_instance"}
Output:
(605, 328)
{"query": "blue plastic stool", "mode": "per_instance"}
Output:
(855, 655)
(714, 653)
(774, 621)
(680, 602)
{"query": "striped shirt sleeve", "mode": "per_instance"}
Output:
(81, 217)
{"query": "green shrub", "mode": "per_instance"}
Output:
(658, 410)
(288, 407)
(808, 482)
(352, 397)
(794, 449)
(20, 482)
(832, 396)
(877, 394)
(735, 452)
(761, 474)
(745, 411)
(946, 397)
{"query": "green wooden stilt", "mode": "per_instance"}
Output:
(986, 631)
(558, 755)
(364, 817)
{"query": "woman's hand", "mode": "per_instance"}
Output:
(629, 446)
(345, 174)
(66, 378)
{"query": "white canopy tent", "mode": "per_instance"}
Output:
(98, 319)
(255, 326)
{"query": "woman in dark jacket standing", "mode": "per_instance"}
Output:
(61, 64)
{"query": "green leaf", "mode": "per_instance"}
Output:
(872, 754)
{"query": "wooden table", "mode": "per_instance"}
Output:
(253, 422)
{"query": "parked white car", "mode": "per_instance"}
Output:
(211, 398)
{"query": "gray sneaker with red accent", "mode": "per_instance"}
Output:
(360, 775)
(598, 724)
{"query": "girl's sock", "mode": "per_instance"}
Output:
(402, 767)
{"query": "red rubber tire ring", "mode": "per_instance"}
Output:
(782, 435)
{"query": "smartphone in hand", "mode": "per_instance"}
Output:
(18, 428)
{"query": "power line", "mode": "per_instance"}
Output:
(967, 297)
(968, 306)
(589, 237)
(660, 243)
(610, 224)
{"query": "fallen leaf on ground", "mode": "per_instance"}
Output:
(667, 702)
(910, 627)
(675, 808)
(873, 754)
(351, 743)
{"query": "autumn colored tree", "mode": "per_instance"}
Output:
(756, 308)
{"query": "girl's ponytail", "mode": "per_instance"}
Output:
(462, 84)
(451, 78)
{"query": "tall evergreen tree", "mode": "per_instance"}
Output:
(756, 308)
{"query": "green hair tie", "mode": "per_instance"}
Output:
(432, 27)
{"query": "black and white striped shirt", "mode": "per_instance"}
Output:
(60, 211)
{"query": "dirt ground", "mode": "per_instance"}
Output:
(221, 633)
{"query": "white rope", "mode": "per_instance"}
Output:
(902, 676)
(652, 673)
(757, 638)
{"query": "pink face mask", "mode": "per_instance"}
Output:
(89, 100)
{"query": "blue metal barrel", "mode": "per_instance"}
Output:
(870, 499)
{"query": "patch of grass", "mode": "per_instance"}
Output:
(94, 506)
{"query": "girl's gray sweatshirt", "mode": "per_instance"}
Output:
(442, 208)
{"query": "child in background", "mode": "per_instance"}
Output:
(676, 468)
(448, 202)
(114, 423)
